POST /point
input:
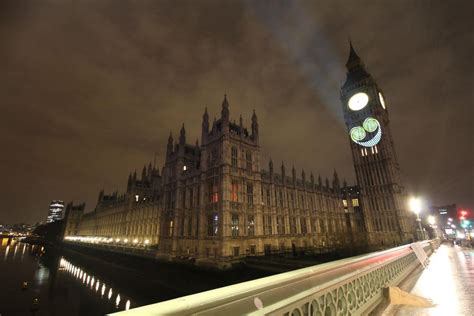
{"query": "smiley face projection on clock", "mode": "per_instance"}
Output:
(362, 134)
(370, 133)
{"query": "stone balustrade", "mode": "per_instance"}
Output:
(352, 286)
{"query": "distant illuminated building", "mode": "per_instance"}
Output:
(446, 217)
(55, 211)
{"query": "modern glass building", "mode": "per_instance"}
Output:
(55, 211)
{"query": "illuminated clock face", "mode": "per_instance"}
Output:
(358, 101)
(382, 100)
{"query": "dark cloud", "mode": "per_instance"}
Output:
(90, 89)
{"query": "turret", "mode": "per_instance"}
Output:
(205, 126)
(283, 174)
(254, 126)
(293, 175)
(129, 182)
(182, 135)
(270, 169)
(225, 110)
(335, 181)
(169, 148)
(303, 176)
(144, 174)
(150, 172)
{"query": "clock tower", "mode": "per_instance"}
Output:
(387, 219)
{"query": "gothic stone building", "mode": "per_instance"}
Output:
(215, 204)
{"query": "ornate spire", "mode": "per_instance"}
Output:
(129, 182)
(225, 108)
(354, 59)
(169, 148)
(144, 173)
(336, 177)
(182, 135)
(254, 125)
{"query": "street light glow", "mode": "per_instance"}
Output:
(415, 205)
(431, 220)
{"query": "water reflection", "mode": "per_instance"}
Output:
(14, 252)
(41, 275)
(6, 253)
(23, 252)
(89, 280)
(127, 305)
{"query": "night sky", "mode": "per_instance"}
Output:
(90, 90)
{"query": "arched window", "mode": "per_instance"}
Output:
(248, 158)
(234, 155)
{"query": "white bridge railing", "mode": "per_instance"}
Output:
(352, 286)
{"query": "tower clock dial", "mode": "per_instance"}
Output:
(382, 100)
(358, 101)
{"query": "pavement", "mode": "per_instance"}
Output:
(448, 281)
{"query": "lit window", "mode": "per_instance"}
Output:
(344, 202)
(184, 168)
(213, 192)
(235, 225)
(212, 224)
(136, 198)
(250, 226)
(355, 202)
(234, 193)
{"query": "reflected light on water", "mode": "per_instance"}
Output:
(23, 252)
(91, 282)
(127, 305)
(6, 253)
(14, 252)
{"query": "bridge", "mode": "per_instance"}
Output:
(352, 286)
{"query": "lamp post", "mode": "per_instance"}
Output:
(432, 222)
(415, 206)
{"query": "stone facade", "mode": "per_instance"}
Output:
(213, 202)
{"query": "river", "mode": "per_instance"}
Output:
(68, 283)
